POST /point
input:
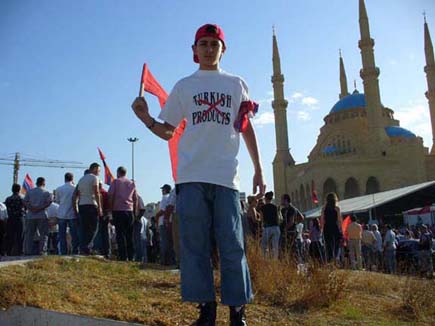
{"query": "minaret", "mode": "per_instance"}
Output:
(282, 159)
(429, 69)
(369, 74)
(343, 80)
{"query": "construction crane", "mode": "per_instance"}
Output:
(17, 162)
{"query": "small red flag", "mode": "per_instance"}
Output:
(344, 226)
(314, 193)
(108, 176)
(152, 86)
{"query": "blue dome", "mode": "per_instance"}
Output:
(395, 131)
(330, 149)
(355, 100)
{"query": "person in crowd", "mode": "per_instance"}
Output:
(254, 218)
(378, 249)
(153, 241)
(123, 202)
(164, 224)
(288, 227)
(271, 231)
(3, 223)
(171, 215)
(409, 235)
(53, 227)
(425, 251)
(390, 245)
(207, 177)
(15, 223)
(67, 218)
(368, 245)
(37, 200)
(316, 246)
(88, 197)
(354, 232)
(330, 222)
(299, 228)
(138, 239)
(144, 237)
(102, 240)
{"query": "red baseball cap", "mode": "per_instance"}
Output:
(211, 30)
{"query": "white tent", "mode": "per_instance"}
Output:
(367, 202)
(420, 215)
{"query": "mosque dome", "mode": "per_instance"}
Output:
(354, 100)
(395, 131)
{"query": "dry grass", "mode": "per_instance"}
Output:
(278, 282)
(122, 291)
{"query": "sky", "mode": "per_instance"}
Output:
(69, 71)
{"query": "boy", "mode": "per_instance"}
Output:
(207, 184)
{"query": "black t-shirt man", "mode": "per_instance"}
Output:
(270, 215)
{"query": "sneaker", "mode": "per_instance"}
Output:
(207, 316)
(237, 316)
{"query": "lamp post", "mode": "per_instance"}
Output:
(132, 141)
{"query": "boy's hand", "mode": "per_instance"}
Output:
(258, 182)
(140, 108)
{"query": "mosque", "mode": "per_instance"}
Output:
(361, 148)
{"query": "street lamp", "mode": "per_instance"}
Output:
(132, 141)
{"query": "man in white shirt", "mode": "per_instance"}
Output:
(3, 219)
(87, 194)
(390, 250)
(211, 103)
(165, 230)
(67, 216)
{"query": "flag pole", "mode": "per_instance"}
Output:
(142, 78)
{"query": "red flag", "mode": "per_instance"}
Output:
(344, 226)
(27, 184)
(152, 86)
(108, 176)
(314, 193)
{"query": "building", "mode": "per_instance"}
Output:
(361, 148)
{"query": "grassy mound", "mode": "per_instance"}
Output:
(123, 291)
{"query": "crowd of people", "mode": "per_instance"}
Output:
(283, 232)
(85, 219)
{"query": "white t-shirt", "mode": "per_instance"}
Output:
(299, 230)
(210, 102)
(143, 229)
(163, 203)
(86, 189)
(3, 212)
(52, 210)
(64, 196)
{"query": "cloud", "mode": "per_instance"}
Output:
(393, 62)
(264, 118)
(415, 117)
(309, 101)
(303, 116)
(297, 95)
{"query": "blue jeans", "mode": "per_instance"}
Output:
(204, 208)
(72, 223)
(272, 234)
(144, 244)
(390, 260)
